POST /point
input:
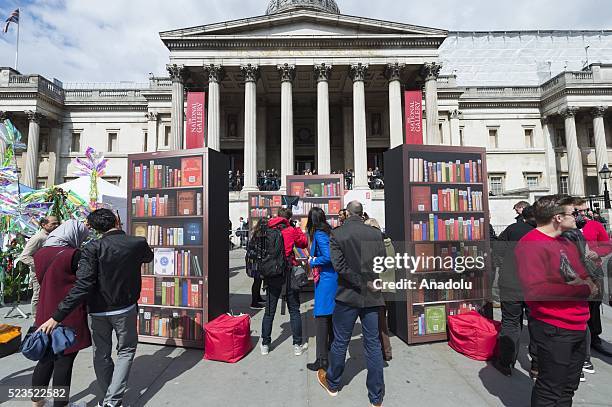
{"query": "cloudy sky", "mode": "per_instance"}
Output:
(115, 40)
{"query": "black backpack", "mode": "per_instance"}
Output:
(266, 253)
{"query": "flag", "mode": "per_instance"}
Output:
(13, 18)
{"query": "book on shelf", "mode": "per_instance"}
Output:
(193, 233)
(191, 171)
(151, 175)
(158, 235)
(163, 260)
(435, 319)
(175, 262)
(334, 206)
(297, 189)
(147, 292)
(140, 229)
(469, 171)
(437, 228)
(263, 200)
(259, 212)
(152, 206)
(321, 189)
(182, 324)
(186, 203)
(424, 251)
(421, 198)
(456, 200)
(176, 292)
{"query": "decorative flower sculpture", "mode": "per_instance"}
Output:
(93, 166)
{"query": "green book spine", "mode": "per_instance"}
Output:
(177, 296)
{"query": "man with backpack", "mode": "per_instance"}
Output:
(274, 260)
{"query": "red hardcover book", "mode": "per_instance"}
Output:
(277, 201)
(334, 206)
(186, 203)
(297, 189)
(194, 292)
(147, 292)
(423, 251)
(191, 170)
(421, 198)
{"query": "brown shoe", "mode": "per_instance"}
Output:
(322, 378)
(377, 405)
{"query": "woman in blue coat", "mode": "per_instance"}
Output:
(326, 284)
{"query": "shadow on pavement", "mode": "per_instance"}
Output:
(513, 391)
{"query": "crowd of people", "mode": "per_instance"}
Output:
(91, 287)
(551, 275)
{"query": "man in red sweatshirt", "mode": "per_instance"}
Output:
(599, 246)
(292, 237)
(556, 288)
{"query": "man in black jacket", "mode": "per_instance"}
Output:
(513, 307)
(354, 246)
(108, 278)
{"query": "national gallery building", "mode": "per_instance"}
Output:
(305, 87)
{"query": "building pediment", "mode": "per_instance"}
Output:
(304, 24)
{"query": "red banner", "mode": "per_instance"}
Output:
(196, 119)
(414, 116)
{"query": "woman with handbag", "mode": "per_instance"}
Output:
(56, 264)
(326, 284)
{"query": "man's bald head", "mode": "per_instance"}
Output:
(355, 208)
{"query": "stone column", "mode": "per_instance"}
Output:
(322, 75)
(56, 135)
(358, 74)
(251, 75)
(601, 149)
(548, 132)
(347, 127)
(430, 73)
(574, 158)
(262, 128)
(31, 165)
(152, 131)
(454, 128)
(177, 74)
(287, 74)
(215, 76)
(396, 132)
(3, 116)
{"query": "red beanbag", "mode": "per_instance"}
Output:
(473, 335)
(227, 338)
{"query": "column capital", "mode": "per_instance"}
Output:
(358, 72)
(546, 120)
(393, 72)
(178, 73)
(34, 116)
(454, 114)
(599, 111)
(569, 112)
(216, 73)
(431, 71)
(151, 116)
(250, 72)
(322, 72)
(286, 72)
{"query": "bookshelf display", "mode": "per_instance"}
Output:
(437, 199)
(179, 203)
(324, 191)
(263, 204)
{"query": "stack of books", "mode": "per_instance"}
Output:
(436, 229)
(176, 324)
(446, 199)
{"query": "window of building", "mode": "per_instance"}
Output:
(112, 180)
(440, 134)
(591, 137)
(496, 184)
(43, 146)
(75, 143)
(563, 185)
(167, 136)
(112, 142)
(461, 139)
(529, 138)
(493, 138)
(560, 138)
(532, 180)
(145, 140)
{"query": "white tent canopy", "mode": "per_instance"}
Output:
(107, 193)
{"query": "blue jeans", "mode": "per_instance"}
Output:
(344, 319)
(273, 294)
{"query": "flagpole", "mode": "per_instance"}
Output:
(17, 50)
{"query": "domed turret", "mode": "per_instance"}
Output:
(280, 6)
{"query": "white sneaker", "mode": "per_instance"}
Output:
(299, 349)
(265, 349)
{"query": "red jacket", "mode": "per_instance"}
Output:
(56, 272)
(549, 297)
(291, 236)
(597, 238)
